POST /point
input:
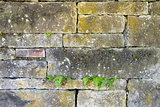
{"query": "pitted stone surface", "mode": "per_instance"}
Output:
(144, 31)
(36, 98)
(122, 63)
(101, 99)
(7, 53)
(93, 40)
(30, 53)
(22, 68)
(38, 17)
(144, 93)
(155, 8)
(32, 40)
(26, 83)
(101, 24)
(120, 8)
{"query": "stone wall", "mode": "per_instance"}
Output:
(118, 38)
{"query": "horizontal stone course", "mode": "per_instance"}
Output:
(38, 17)
(90, 98)
(144, 93)
(155, 8)
(44, 84)
(144, 31)
(32, 40)
(120, 8)
(36, 98)
(93, 40)
(121, 63)
(30, 53)
(101, 24)
(6, 54)
(137, 0)
(23, 68)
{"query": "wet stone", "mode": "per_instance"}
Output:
(144, 93)
(26, 83)
(101, 98)
(32, 40)
(155, 8)
(121, 63)
(121, 8)
(144, 31)
(37, 98)
(38, 17)
(30, 53)
(22, 68)
(93, 40)
(7, 53)
(101, 24)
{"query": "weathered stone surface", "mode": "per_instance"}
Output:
(137, 0)
(144, 93)
(122, 63)
(38, 17)
(21, 0)
(76, 0)
(93, 40)
(44, 84)
(144, 31)
(7, 53)
(30, 53)
(100, 24)
(37, 98)
(155, 8)
(23, 68)
(96, 0)
(122, 8)
(32, 40)
(101, 99)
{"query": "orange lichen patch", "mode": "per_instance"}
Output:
(133, 24)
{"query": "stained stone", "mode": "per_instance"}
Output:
(37, 98)
(121, 63)
(38, 17)
(7, 53)
(23, 68)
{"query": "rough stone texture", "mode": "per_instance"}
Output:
(32, 40)
(76, 0)
(101, 24)
(101, 99)
(155, 8)
(21, 0)
(137, 0)
(144, 31)
(144, 93)
(38, 17)
(30, 53)
(23, 68)
(7, 53)
(122, 63)
(122, 8)
(36, 98)
(44, 84)
(93, 40)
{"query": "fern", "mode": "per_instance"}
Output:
(0, 33)
(48, 34)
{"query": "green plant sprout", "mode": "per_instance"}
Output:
(0, 33)
(99, 81)
(59, 80)
(48, 34)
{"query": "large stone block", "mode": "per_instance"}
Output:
(37, 98)
(26, 83)
(38, 17)
(155, 8)
(137, 0)
(101, 24)
(144, 93)
(122, 63)
(101, 99)
(7, 53)
(30, 53)
(32, 40)
(121, 8)
(144, 31)
(23, 68)
(93, 40)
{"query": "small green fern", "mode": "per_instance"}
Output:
(0, 33)
(48, 34)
